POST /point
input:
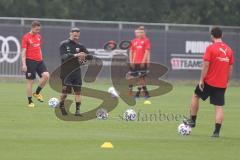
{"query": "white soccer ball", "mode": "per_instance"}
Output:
(102, 114)
(113, 92)
(53, 102)
(130, 115)
(184, 129)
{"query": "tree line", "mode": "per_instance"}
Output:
(217, 12)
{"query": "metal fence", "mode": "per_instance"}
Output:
(112, 24)
(178, 46)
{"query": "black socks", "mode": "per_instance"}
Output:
(78, 104)
(217, 125)
(145, 91)
(30, 100)
(38, 90)
(193, 118)
(138, 92)
(217, 128)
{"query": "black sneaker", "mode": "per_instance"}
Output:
(64, 112)
(189, 122)
(215, 135)
(77, 113)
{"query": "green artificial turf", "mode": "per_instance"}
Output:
(36, 133)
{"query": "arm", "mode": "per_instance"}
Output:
(130, 57)
(84, 54)
(84, 49)
(131, 52)
(24, 49)
(148, 60)
(230, 72)
(88, 56)
(146, 57)
(203, 74)
(24, 66)
(64, 54)
(231, 66)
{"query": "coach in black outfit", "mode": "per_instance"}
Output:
(73, 54)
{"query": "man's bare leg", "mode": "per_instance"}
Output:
(42, 82)
(219, 115)
(194, 105)
(44, 79)
(194, 110)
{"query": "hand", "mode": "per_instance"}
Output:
(142, 65)
(201, 85)
(24, 68)
(148, 65)
(81, 56)
(132, 65)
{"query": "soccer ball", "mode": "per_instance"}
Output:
(102, 114)
(113, 92)
(184, 129)
(130, 115)
(53, 102)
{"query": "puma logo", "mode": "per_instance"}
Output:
(223, 51)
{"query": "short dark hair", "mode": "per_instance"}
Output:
(36, 23)
(216, 32)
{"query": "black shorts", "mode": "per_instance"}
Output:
(34, 67)
(138, 69)
(72, 82)
(216, 94)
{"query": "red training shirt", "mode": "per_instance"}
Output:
(138, 49)
(220, 58)
(32, 44)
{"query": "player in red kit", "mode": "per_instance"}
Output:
(32, 62)
(217, 69)
(139, 58)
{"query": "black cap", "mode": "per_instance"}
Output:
(75, 29)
